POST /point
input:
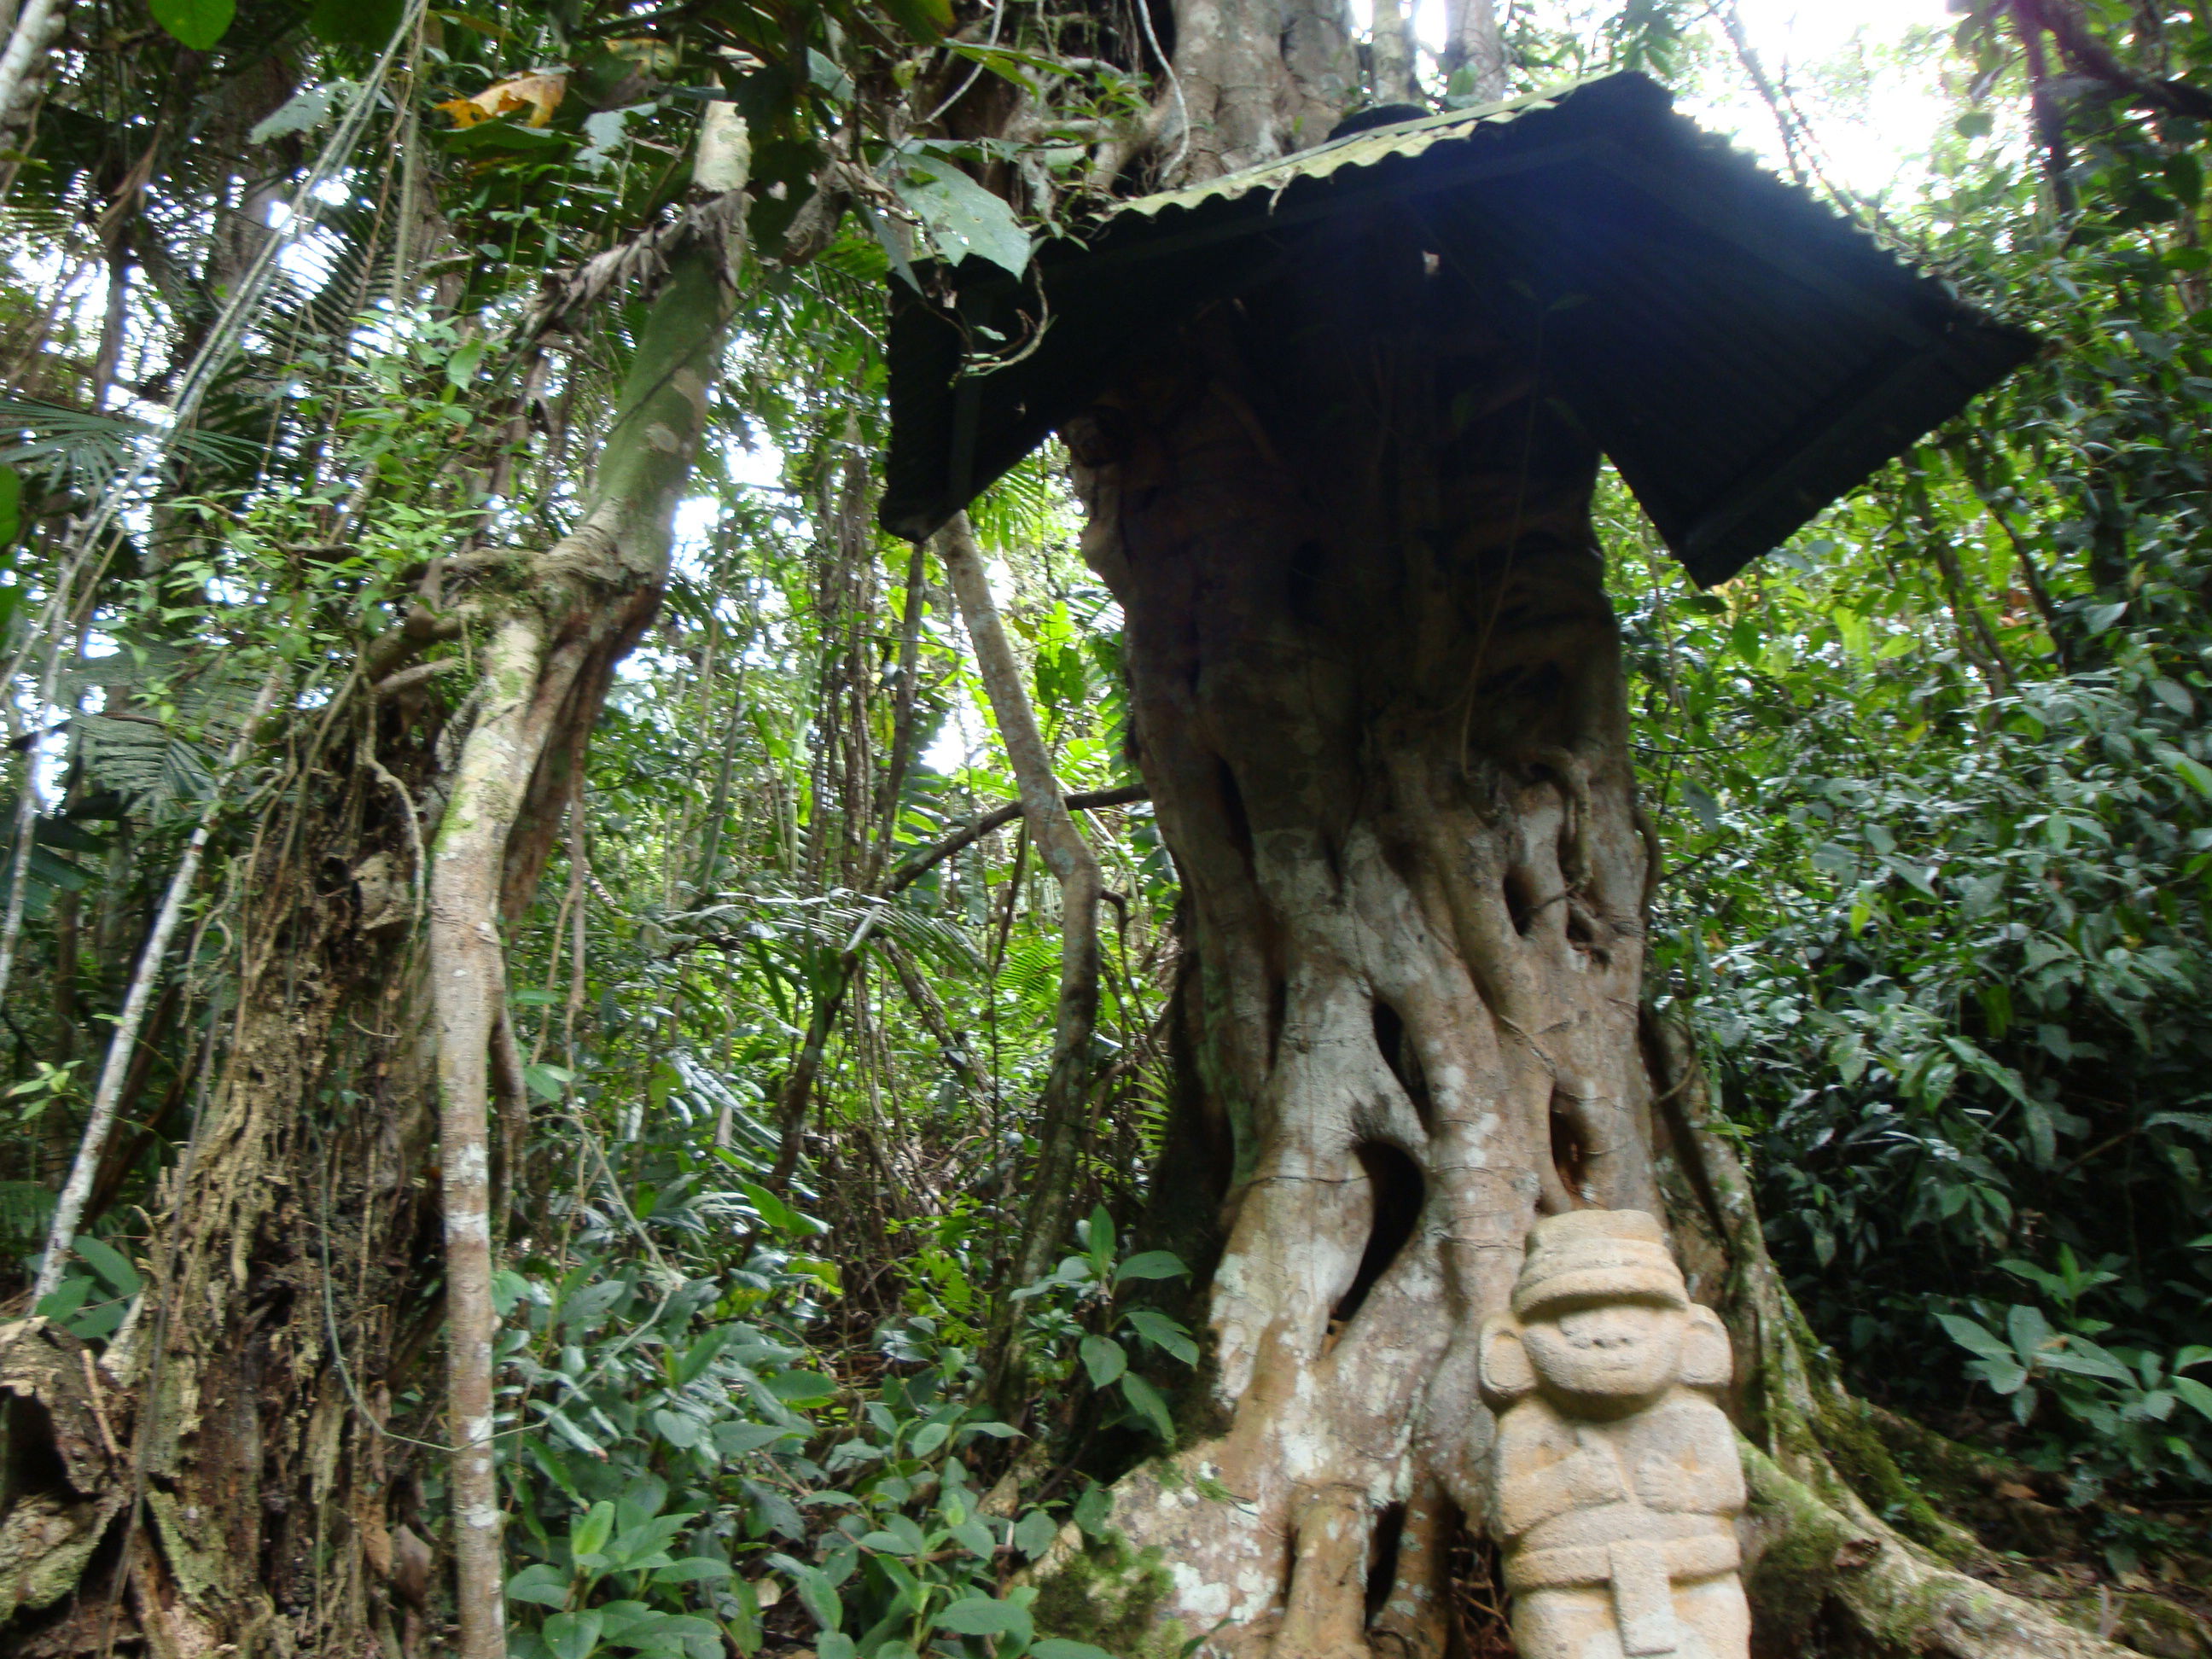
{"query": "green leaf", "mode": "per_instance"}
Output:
(927, 20)
(819, 1594)
(693, 1569)
(358, 22)
(1967, 1335)
(100, 1322)
(2030, 1332)
(1151, 1264)
(2196, 774)
(111, 1264)
(65, 1300)
(1104, 1358)
(548, 1082)
(304, 112)
(2193, 1392)
(778, 1215)
(744, 1622)
(825, 74)
(589, 1306)
(1059, 1647)
(1093, 1509)
(461, 371)
(589, 1536)
(504, 135)
(962, 218)
(2005, 1376)
(1146, 1399)
(1034, 1533)
(679, 1431)
(2085, 1358)
(199, 23)
(572, 1635)
(11, 504)
(802, 1388)
(541, 1584)
(741, 1439)
(1164, 1333)
(1099, 1236)
(979, 1615)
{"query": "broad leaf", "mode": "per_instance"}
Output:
(540, 1584)
(962, 218)
(573, 1635)
(199, 23)
(1146, 1399)
(979, 1615)
(1104, 1358)
(1150, 1264)
(1164, 1333)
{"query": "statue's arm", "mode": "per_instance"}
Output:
(1545, 1469)
(1689, 1462)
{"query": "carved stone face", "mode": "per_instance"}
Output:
(1608, 1356)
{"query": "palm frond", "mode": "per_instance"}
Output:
(1029, 506)
(91, 447)
(159, 764)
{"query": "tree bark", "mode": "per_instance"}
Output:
(1391, 55)
(1473, 43)
(1254, 89)
(1377, 694)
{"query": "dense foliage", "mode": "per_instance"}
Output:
(1941, 818)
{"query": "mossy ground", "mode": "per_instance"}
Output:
(1108, 1594)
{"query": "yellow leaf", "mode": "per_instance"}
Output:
(540, 95)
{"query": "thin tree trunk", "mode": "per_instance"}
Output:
(1391, 48)
(23, 62)
(468, 975)
(902, 713)
(1473, 43)
(1063, 1109)
(545, 672)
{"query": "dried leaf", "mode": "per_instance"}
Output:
(541, 94)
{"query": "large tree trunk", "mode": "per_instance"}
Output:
(1377, 691)
(1377, 696)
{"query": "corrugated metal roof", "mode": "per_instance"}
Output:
(1359, 150)
(1743, 355)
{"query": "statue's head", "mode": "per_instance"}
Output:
(1603, 1324)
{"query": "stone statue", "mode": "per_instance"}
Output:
(1615, 1483)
